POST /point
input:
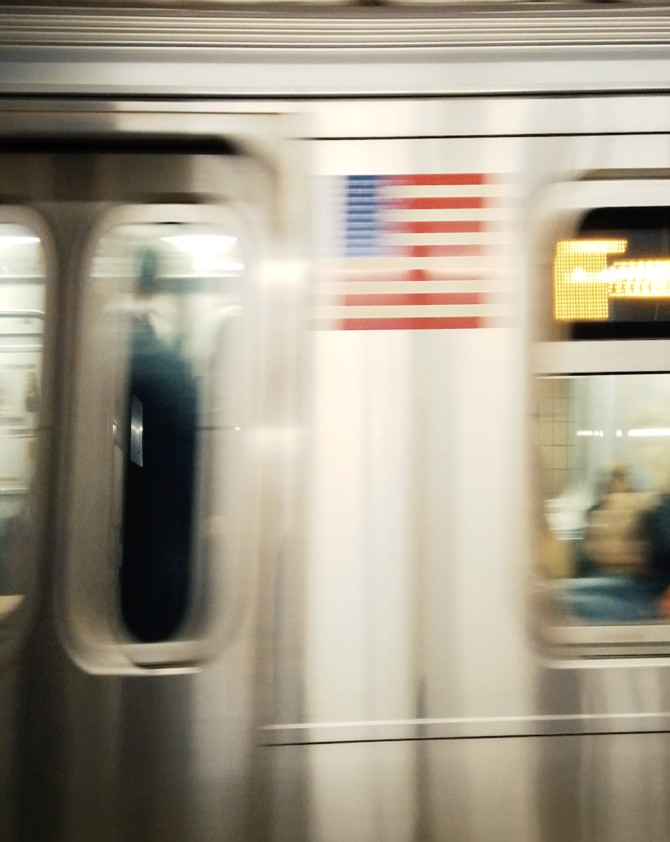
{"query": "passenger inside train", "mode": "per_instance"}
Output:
(159, 474)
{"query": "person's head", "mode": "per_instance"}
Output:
(620, 480)
(148, 273)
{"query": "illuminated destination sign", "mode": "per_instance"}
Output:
(591, 275)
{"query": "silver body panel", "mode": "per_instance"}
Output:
(385, 681)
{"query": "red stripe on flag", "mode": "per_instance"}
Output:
(469, 226)
(397, 277)
(444, 251)
(423, 275)
(436, 203)
(433, 180)
(455, 323)
(411, 299)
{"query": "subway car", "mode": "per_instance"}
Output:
(335, 423)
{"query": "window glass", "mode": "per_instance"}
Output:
(22, 302)
(604, 445)
(168, 291)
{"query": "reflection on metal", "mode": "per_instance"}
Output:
(9, 603)
(276, 437)
(286, 273)
(21, 314)
(11, 349)
(634, 355)
(136, 432)
(9, 240)
(14, 490)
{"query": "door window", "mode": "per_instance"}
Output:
(22, 306)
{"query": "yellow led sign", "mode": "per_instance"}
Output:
(584, 283)
(581, 288)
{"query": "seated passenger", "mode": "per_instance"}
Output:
(584, 564)
(625, 546)
(614, 540)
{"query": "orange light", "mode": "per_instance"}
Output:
(584, 283)
(581, 285)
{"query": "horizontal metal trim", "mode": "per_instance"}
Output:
(535, 725)
(601, 357)
(318, 27)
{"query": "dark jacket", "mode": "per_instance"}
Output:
(159, 488)
(657, 528)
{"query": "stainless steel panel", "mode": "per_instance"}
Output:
(594, 357)
(545, 789)
(416, 605)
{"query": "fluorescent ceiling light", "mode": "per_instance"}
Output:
(650, 432)
(209, 263)
(198, 244)
(9, 240)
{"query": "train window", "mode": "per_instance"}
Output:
(605, 459)
(22, 311)
(173, 283)
(159, 362)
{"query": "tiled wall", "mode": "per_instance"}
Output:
(556, 432)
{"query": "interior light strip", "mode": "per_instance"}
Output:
(650, 432)
(8, 240)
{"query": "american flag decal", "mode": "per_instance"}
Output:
(415, 252)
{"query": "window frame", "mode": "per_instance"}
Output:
(106, 646)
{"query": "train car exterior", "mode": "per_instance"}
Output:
(383, 289)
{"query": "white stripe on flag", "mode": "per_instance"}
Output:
(483, 238)
(406, 287)
(487, 264)
(485, 214)
(429, 191)
(405, 311)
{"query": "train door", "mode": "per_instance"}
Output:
(131, 704)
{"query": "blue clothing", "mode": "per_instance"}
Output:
(619, 598)
(616, 599)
